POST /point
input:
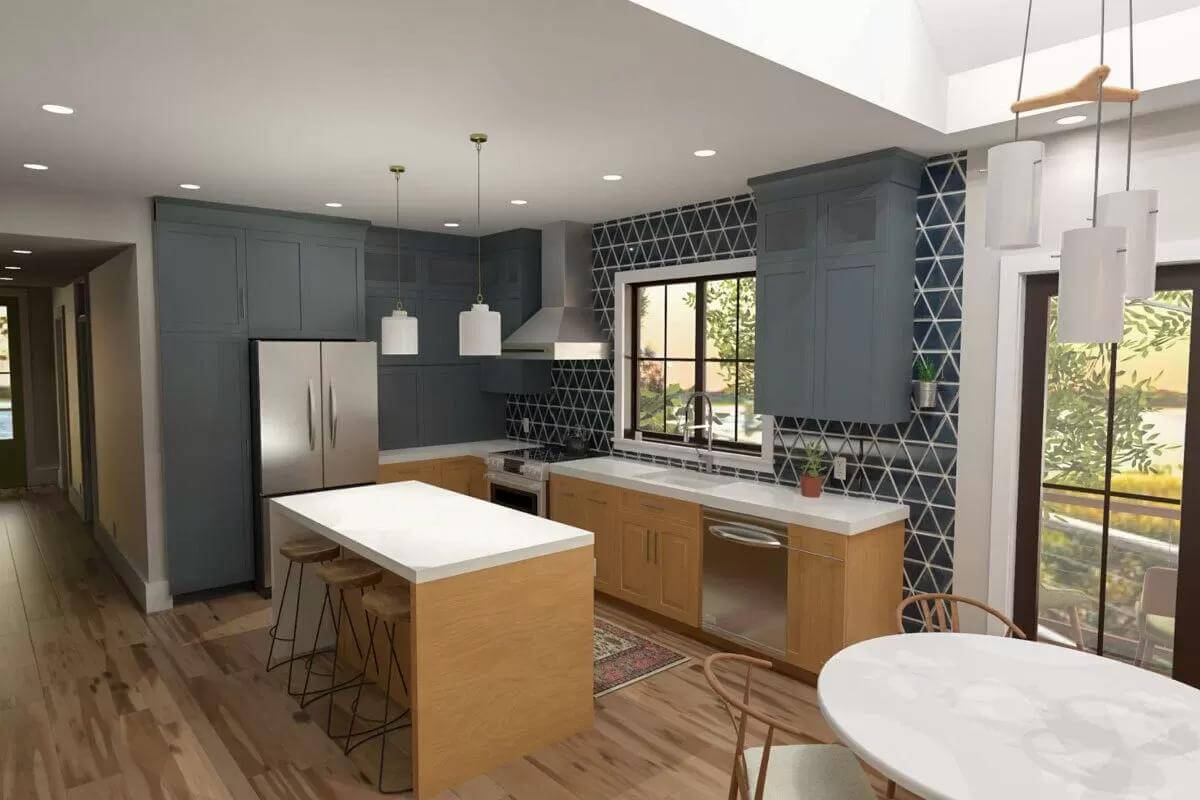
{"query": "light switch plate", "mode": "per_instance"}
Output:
(525, 425)
(839, 467)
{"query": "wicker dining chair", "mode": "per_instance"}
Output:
(939, 612)
(799, 771)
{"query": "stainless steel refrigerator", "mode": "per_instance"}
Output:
(316, 424)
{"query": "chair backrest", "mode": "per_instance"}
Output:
(740, 712)
(939, 612)
(1158, 591)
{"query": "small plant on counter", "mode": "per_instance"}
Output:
(811, 469)
(925, 389)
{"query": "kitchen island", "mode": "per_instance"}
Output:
(498, 654)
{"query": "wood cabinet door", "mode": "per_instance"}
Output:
(424, 471)
(599, 514)
(273, 283)
(638, 572)
(785, 335)
(677, 561)
(478, 480)
(456, 475)
(816, 609)
(331, 290)
(566, 503)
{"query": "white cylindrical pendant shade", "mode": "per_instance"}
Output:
(1091, 285)
(1014, 195)
(1135, 211)
(398, 334)
(479, 331)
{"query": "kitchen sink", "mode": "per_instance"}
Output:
(686, 479)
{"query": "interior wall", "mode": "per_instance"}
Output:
(1166, 157)
(63, 300)
(137, 507)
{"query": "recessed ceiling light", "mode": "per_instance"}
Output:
(12, 267)
(704, 153)
(519, 202)
(5, 278)
(450, 224)
(38, 167)
(23, 252)
(1071, 119)
(333, 205)
(612, 177)
(57, 109)
(189, 186)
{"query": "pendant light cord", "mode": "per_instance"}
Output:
(399, 302)
(1021, 76)
(1099, 111)
(478, 226)
(1129, 134)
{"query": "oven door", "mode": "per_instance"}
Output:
(515, 491)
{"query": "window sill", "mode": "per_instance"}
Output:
(759, 463)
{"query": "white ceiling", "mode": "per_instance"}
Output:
(970, 33)
(289, 105)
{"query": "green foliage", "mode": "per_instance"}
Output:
(1077, 394)
(723, 332)
(813, 463)
(926, 371)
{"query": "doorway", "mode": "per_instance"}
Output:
(1110, 480)
(12, 411)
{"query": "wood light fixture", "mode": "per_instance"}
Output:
(1089, 89)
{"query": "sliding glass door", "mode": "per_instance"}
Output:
(1105, 478)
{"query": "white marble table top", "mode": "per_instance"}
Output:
(970, 717)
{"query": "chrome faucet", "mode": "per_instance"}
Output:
(705, 461)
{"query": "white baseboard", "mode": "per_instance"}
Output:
(152, 596)
(43, 476)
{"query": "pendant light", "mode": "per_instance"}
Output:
(398, 331)
(478, 328)
(1135, 210)
(1091, 280)
(1014, 185)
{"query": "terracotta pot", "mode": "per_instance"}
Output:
(810, 485)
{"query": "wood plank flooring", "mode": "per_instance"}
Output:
(100, 702)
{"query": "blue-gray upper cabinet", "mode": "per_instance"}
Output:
(332, 289)
(834, 320)
(273, 268)
(200, 277)
(512, 271)
(206, 460)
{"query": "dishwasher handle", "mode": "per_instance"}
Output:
(747, 535)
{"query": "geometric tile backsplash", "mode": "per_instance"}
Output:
(914, 462)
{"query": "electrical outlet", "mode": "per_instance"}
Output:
(526, 425)
(839, 468)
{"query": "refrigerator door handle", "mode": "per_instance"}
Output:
(333, 415)
(312, 434)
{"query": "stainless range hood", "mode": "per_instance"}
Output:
(565, 327)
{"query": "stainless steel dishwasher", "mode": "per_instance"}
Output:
(745, 580)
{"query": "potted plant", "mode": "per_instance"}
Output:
(811, 469)
(925, 389)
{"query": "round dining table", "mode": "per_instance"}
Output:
(959, 716)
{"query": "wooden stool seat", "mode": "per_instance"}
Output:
(349, 573)
(309, 550)
(389, 603)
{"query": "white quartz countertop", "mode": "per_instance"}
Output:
(423, 533)
(835, 513)
(477, 449)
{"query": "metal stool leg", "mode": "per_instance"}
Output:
(371, 624)
(387, 696)
(274, 630)
(304, 701)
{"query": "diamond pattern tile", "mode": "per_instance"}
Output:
(914, 462)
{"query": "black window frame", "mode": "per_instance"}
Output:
(699, 440)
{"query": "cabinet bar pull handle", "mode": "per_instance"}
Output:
(651, 507)
(648, 547)
(332, 415)
(655, 548)
(312, 434)
(594, 500)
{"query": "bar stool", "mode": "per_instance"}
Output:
(342, 574)
(390, 605)
(303, 550)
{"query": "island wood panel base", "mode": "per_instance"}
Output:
(462, 474)
(498, 663)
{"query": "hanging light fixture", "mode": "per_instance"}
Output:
(398, 331)
(1091, 279)
(1014, 185)
(1135, 210)
(478, 328)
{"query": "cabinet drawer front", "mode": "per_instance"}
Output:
(583, 489)
(654, 507)
(818, 543)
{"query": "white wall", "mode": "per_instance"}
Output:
(63, 299)
(1166, 157)
(134, 503)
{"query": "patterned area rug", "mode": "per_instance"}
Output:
(623, 657)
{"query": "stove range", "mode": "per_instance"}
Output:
(518, 478)
(532, 462)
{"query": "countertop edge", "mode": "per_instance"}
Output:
(845, 528)
(478, 449)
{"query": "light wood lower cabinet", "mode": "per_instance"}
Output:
(591, 506)
(841, 590)
(464, 474)
(677, 558)
(637, 576)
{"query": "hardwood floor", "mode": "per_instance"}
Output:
(99, 701)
